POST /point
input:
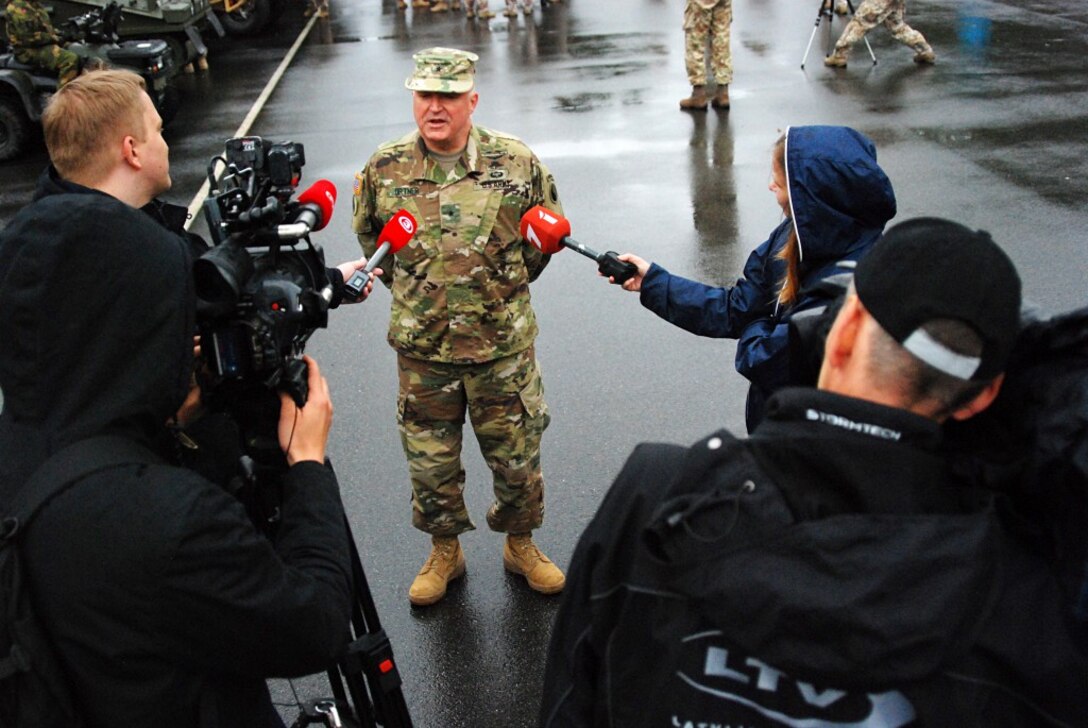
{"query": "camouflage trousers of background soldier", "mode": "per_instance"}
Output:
(52, 58)
(504, 400)
(872, 13)
(700, 26)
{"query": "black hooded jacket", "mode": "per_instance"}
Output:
(827, 571)
(166, 606)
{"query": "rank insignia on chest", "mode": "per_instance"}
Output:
(451, 214)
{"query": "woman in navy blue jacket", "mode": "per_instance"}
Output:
(836, 200)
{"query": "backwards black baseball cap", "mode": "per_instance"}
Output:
(928, 268)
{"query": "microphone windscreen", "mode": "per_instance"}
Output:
(398, 231)
(545, 229)
(323, 194)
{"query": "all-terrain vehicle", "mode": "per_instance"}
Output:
(178, 22)
(24, 89)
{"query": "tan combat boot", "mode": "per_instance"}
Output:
(521, 556)
(446, 563)
(835, 60)
(721, 97)
(697, 100)
(440, 7)
(841, 8)
(925, 55)
(485, 14)
(421, 3)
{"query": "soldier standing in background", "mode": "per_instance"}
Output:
(479, 8)
(512, 8)
(872, 13)
(707, 20)
(34, 41)
(461, 319)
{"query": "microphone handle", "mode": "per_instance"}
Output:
(609, 264)
(377, 257)
(580, 247)
(357, 282)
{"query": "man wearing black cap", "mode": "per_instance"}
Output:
(830, 569)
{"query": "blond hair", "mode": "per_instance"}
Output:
(86, 114)
(791, 251)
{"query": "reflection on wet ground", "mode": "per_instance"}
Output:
(995, 134)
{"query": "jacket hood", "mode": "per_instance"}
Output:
(882, 592)
(839, 195)
(98, 323)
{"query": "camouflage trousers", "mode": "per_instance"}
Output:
(52, 58)
(505, 402)
(700, 27)
(476, 5)
(512, 5)
(872, 13)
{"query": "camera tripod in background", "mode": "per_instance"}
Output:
(826, 10)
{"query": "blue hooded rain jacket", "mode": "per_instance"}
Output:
(840, 200)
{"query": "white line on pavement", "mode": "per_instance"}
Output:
(258, 105)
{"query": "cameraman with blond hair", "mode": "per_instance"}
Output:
(163, 603)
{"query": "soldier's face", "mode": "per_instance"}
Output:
(444, 120)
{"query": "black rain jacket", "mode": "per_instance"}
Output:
(825, 572)
(166, 606)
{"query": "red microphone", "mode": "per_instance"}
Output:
(315, 205)
(394, 236)
(549, 232)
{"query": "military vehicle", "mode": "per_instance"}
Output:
(248, 17)
(93, 36)
(178, 22)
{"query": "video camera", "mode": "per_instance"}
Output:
(262, 289)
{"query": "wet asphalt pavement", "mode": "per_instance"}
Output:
(995, 136)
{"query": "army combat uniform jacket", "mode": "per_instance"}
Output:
(461, 285)
(28, 25)
(34, 41)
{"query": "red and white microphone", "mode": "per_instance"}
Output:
(313, 212)
(394, 236)
(549, 232)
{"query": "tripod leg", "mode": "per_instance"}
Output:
(871, 54)
(810, 39)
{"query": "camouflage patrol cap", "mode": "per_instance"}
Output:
(445, 70)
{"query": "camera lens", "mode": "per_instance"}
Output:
(221, 274)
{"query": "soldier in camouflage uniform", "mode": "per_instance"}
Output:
(707, 21)
(512, 8)
(34, 42)
(461, 319)
(872, 13)
(479, 8)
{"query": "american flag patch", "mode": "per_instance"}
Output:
(357, 185)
